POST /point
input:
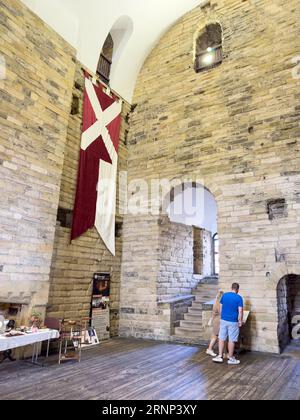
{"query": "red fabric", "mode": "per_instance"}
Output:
(88, 173)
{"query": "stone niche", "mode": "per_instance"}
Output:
(23, 297)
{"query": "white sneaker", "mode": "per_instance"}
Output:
(211, 353)
(218, 359)
(234, 361)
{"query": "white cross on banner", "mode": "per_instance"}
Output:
(95, 203)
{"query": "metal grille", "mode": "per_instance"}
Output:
(216, 56)
(104, 67)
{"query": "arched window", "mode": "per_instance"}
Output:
(209, 49)
(216, 262)
(105, 61)
(112, 55)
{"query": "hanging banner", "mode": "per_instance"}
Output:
(95, 203)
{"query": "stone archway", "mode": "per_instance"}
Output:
(187, 268)
(194, 206)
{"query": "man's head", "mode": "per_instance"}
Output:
(235, 288)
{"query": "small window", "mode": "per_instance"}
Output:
(209, 49)
(75, 105)
(277, 209)
(119, 230)
(65, 217)
(105, 60)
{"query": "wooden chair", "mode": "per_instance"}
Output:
(70, 341)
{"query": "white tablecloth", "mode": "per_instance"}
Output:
(9, 343)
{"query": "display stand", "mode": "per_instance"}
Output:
(100, 312)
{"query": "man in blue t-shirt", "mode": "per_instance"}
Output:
(232, 313)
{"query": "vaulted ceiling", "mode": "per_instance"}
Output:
(137, 25)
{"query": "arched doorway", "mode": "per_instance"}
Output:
(288, 303)
(195, 206)
(189, 258)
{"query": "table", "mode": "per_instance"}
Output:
(34, 339)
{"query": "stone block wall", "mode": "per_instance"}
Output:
(39, 154)
(176, 276)
(236, 128)
(139, 313)
(73, 264)
(35, 91)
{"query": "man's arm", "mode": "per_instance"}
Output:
(241, 316)
(221, 306)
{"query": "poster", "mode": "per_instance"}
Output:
(101, 291)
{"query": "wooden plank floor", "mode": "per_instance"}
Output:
(126, 369)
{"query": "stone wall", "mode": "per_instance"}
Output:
(73, 264)
(236, 128)
(35, 91)
(176, 276)
(39, 144)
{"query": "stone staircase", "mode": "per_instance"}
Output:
(190, 329)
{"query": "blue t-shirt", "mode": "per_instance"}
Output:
(231, 302)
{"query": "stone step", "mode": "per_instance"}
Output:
(195, 311)
(210, 280)
(191, 327)
(203, 296)
(195, 324)
(189, 332)
(210, 289)
(197, 304)
(201, 301)
(191, 341)
(193, 316)
(209, 292)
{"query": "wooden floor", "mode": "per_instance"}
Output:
(124, 369)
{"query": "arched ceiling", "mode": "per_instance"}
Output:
(137, 26)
